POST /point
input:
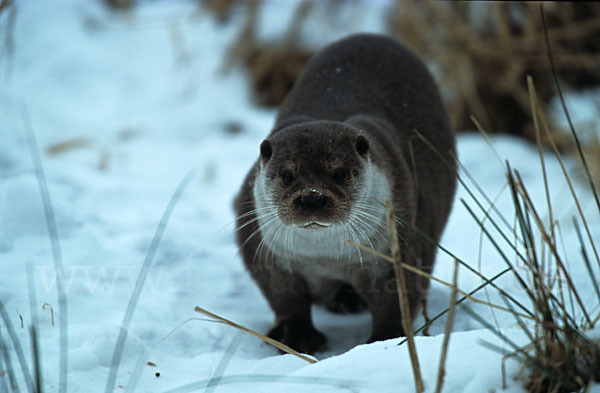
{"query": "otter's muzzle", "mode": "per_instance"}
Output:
(312, 202)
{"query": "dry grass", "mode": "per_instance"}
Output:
(447, 331)
(559, 357)
(403, 298)
(120, 5)
(221, 9)
(484, 53)
(81, 143)
(279, 345)
(272, 67)
(433, 278)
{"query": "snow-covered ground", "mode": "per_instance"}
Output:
(123, 107)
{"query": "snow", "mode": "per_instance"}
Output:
(145, 96)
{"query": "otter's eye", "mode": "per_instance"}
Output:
(340, 176)
(287, 178)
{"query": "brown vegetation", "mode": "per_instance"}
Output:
(271, 67)
(482, 53)
(485, 52)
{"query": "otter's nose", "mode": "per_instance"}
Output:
(312, 201)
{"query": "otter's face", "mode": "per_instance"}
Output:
(316, 187)
(313, 176)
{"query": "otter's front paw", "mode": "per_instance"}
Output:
(298, 334)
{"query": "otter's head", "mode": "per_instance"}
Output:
(312, 172)
(311, 178)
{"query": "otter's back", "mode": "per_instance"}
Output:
(368, 74)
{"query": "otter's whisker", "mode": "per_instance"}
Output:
(267, 229)
(377, 226)
(351, 227)
(258, 230)
(254, 219)
(357, 224)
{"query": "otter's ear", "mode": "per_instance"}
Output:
(362, 145)
(266, 150)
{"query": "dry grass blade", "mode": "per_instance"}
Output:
(488, 217)
(542, 297)
(462, 182)
(564, 106)
(431, 277)
(448, 331)
(51, 312)
(462, 299)
(559, 357)
(525, 328)
(498, 249)
(519, 352)
(68, 146)
(538, 139)
(262, 337)
(542, 117)
(448, 252)
(588, 265)
(492, 329)
(403, 297)
(549, 242)
(536, 289)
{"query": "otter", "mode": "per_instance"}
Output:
(348, 137)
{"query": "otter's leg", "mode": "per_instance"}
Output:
(344, 300)
(289, 298)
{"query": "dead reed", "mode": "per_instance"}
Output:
(272, 67)
(282, 347)
(560, 356)
(403, 298)
(484, 51)
(447, 331)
